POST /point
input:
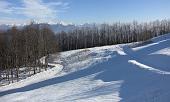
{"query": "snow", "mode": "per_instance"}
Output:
(36, 78)
(117, 73)
(148, 67)
(165, 51)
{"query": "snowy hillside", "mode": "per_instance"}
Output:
(136, 72)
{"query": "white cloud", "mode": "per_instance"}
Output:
(34, 9)
(4, 7)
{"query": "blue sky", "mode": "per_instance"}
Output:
(83, 11)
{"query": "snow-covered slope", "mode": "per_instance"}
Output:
(127, 73)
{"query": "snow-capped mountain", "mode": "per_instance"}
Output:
(4, 27)
(60, 27)
(55, 26)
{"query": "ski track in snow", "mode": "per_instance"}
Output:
(102, 74)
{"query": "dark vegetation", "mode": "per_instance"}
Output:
(24, 47)
(105, 34)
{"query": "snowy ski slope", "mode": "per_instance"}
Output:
(120, 73)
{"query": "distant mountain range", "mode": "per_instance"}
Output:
(55, 27)
(58, 27)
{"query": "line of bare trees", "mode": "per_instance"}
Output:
(105, 34)
(24, 48)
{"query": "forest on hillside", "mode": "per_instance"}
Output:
(24, 47)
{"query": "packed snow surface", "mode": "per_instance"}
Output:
(119, 73)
